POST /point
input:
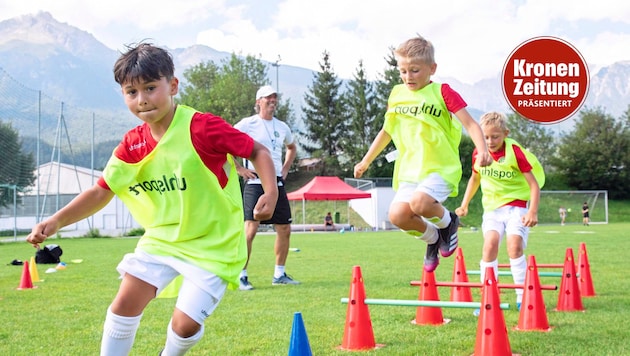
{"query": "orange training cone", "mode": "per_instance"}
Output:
(586, 282)
(492, 336)
(32, 269)
(358, 334)
(460, 294)
(533, 315)
(428, 291)
(569, 298)
(26, 282)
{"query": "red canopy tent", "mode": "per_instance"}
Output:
(326, 188)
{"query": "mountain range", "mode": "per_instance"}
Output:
(70, 64)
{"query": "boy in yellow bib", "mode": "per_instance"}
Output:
(514, 178)
(427, 170)
(176, 175)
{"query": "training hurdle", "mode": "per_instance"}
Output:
(491, 329)
(479, 285)
(508, 273)
(423, 303)
(541, 265)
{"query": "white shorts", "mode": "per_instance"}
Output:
(433, 185)
(200, 292)
(506, 220)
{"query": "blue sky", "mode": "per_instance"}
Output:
(472, 38)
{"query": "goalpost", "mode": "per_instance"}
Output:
(572, 200)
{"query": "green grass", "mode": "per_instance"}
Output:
(65, 313)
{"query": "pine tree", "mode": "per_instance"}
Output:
(325, 119)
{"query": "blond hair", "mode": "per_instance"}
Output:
(495, 119)
(417, 48)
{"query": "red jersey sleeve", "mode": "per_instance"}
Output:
(474, 159)
(452, 99)
(523, 164)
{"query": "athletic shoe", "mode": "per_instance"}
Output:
(285, 279)
(431, 258)
(448, 236)
(244, 284)
(476, 312)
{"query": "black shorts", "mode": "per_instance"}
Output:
(282, 214)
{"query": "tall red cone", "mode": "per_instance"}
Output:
(586, 282)
(533, 315)
(569, 297)
(358, 334)
(492, 336)
(460, 294)
(428, 291)
(26, 282)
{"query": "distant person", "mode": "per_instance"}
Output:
(563, 215)
(585, 214)
(328, 221)
(427, 170)
(511, 182)
(176, 175)
(276, 136)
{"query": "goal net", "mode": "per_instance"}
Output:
(552, 200)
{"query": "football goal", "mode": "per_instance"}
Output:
(552, 200)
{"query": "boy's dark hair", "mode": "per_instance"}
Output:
(143, 61)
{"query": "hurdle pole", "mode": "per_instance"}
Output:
(508, 273)
(542, 265)
(424, 303)
(479, 285)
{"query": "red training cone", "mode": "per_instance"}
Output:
(358, 334)
(533, 315)
(492, 336)
(460, 294)
(569, 298)
(586, 282)
(428, 291)
(26, 282)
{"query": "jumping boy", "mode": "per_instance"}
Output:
(514, 178)
(427, 170)
(176, 174)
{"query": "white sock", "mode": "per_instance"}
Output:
(177, 345)
(278, 271)
(118, 333)
(243, 273)
(445, 220)
(518, 267)
(482, 267)
(430, 235)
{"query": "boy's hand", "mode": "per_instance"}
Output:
(41, 231)
(461, 211)
(264, 208)
(484, 158)
(359, 169)
(530, 219)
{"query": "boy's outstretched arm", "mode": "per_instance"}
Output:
(261, 158)
(471, 189)
(531, 218)
(475, 133)
(381, 141)
(82, 206)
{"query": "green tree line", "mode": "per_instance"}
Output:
(341, 118)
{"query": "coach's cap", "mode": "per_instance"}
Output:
(265, 91)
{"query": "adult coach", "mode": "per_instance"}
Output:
(275, 135)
